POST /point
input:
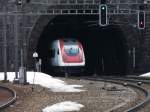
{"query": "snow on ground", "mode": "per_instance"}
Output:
(66, 106)
(145, 75)
(45, 80)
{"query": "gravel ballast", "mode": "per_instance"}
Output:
(94, 98)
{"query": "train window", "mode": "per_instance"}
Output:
(70, 41)
(71, 50)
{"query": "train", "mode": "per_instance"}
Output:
(67, 56)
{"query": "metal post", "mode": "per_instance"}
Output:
(5, 45)
(25, 60)
(24, 46)
(35, 55)
(35, 66)
(21, 57)
(22, 69)
(34, 73)
(16, 47)
(22, 37)
(40, 64)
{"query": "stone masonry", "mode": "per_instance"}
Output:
(21, 27)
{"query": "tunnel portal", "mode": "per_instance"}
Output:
(104, 47)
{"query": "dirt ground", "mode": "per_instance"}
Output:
(94, 99)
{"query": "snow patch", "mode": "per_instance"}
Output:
(145, 75)
(66, 106)
(45, 80)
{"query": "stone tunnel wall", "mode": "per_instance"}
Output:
(33, 26)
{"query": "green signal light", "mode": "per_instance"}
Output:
(103, 7)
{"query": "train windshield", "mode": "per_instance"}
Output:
(71, 50)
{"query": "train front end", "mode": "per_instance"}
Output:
(72, 56)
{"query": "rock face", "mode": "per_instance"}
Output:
(22, 25)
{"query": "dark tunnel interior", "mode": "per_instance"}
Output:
(104, 47)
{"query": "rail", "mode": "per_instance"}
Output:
(10, 100)
(117, 81)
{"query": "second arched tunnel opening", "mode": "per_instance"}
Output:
(104, 47)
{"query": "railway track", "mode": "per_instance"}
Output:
(140, 85)
(7, 97)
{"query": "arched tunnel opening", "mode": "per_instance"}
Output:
(104, 47)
